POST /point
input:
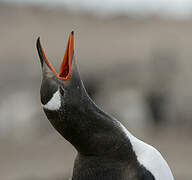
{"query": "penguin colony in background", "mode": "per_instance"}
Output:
(106, 149)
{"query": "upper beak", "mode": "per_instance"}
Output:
(65, 68)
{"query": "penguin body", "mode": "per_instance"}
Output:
(106, 149)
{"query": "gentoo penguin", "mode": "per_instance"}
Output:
(106, 149)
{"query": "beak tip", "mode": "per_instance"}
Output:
(38, 42)
(72, 32)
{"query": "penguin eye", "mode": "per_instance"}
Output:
(61, 90)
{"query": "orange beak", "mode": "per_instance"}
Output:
(65, 68)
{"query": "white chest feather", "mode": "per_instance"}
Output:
(54, 103)
(150, 158)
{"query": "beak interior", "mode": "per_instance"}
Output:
(65, 68)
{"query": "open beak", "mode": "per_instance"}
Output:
(65, 68)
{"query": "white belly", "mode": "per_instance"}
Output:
(150, 158)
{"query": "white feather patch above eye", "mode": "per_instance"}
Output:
(54, 103)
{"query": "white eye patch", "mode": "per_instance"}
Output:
(54, 103)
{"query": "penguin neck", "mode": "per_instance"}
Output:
(92, 131)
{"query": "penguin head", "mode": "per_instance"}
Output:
(64, 87)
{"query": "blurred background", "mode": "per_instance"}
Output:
(135, 58)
